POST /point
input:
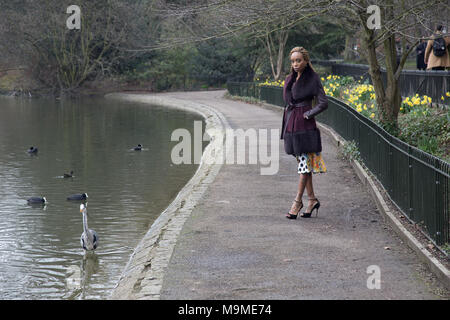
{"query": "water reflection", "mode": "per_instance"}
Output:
(40, 245)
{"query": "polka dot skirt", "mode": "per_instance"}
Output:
(311, 162)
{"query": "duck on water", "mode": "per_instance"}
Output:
(78, 196)
(37, 200)
(68, 175)
(32, 150)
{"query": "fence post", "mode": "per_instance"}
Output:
(410, 185)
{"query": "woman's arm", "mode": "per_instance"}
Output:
(322, 101)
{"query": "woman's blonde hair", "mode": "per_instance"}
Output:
(304, 53)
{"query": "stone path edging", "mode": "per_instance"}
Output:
(143, 275)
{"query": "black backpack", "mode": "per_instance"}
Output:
(439, 47)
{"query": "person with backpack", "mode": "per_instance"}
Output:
(436, 53)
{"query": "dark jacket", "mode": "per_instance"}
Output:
(420, 50)
(301, 135)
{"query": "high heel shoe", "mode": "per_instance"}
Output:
(294, 216)
(308, 214)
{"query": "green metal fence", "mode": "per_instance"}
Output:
(431, 82)
(417, 182)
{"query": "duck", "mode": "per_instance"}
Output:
(89, 238)
(37, 200)
(68, 175)
(32, 150)
(138, 148)
(78, 196)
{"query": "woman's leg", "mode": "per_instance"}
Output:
(310, 191)
(296, 205)
(302, 183)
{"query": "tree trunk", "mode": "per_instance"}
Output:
(281, 38)
(388, 98)
(393, 98)
(348, 48)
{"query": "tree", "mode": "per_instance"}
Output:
(397, 24)
(398, 21)
(218, 61)
(321, 36)
(63, 59)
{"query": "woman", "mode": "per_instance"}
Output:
(437, 62)
(299, 131)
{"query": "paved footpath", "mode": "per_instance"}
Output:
(237, 243)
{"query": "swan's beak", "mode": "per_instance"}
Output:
(81, 208)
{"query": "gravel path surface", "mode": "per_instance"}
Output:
(237, 243)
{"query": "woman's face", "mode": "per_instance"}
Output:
(297, 62)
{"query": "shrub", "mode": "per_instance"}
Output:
(429, 131)
(349, 151)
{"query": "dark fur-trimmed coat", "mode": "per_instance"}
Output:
(299, 130)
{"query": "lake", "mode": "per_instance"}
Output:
(40, 252)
